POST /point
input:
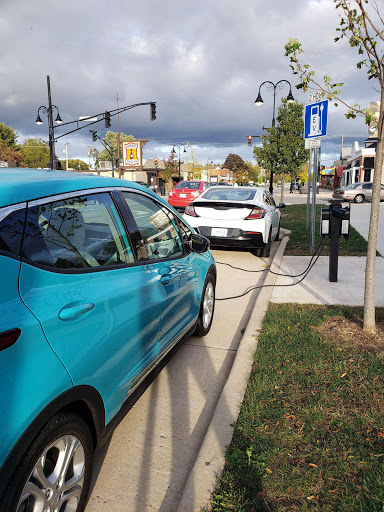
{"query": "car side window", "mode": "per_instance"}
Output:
(11, 229)
(367, 186)
(76, 233)
(158, 235)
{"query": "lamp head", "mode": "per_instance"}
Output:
(58, 119)
(38, 119)
(259, 100)
(290, 98)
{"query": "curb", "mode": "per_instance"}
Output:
(210, 459)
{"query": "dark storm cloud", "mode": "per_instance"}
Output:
(202, 63)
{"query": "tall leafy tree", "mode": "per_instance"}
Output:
(111, 139)
(36, 152)
(8, 136)
(361, 23)
(234, 162)
(283, 147)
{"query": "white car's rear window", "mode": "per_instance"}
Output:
(233, 194)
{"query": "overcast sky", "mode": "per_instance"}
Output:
(202, 62)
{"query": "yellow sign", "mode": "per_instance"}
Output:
(132, 154)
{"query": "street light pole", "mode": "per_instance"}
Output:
(49, 112)
(259, 101)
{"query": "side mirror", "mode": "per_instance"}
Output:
(199, 243)
(281, 205)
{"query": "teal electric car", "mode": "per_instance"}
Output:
(100, 280)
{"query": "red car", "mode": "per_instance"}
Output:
(185, 192)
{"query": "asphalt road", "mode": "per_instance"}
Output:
(148, 460)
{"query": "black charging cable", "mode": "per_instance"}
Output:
(319, 248)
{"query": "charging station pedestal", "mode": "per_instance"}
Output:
(334, 223)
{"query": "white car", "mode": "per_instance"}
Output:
(236, 217)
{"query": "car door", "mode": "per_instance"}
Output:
(367, 190)
(99, 309)
(162, 252)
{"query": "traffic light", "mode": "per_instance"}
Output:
(156, 162)
(95, 135)
(107, 117)
(249, 140)
(153, 111)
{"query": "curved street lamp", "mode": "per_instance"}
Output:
(48, 111)
(270, 86)
(174, 152)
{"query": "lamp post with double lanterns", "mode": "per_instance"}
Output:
(174, 153)
(270, 86)
(90, 120)
(48, 111)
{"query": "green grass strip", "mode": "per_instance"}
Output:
(293, 217)
(310, 434)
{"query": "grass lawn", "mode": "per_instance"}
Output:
(310, 434)
(293, 217)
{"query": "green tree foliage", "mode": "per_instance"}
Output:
(361, 23)
(75, 164)
(111, 139)
(254, 172)
(36, 153)
(7, 136)
(234, 162)
(283, 147)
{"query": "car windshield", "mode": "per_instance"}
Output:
(192, 185)
(232, 194)
(354, 185)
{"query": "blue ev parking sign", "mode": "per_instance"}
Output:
(315, 121)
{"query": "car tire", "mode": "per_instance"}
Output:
(44, 473)
(278, 233)
(207, 307)
(359, 198)
(265, 251)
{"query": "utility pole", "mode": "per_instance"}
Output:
(118, 135)
(66, 155)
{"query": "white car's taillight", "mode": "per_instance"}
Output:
(189, 210)
(256, 213)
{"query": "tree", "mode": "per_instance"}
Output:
(194, 167)
(171, 167)
(75, 164)
(7, 136)
(36, 153)
(111, 139)
(254, 171)
(11, 155)
(234, 162)
(283, 147)
(364, 30)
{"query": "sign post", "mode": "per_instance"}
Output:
(315, 126)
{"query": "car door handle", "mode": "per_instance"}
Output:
(71, 312)
(166, 278)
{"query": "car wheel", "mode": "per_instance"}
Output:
(278, 233)
(359, 198)
(207, 307)
(55, 472)
(264, 252)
